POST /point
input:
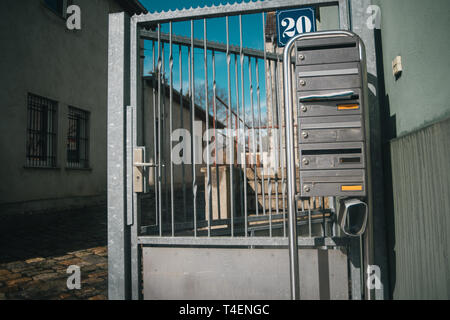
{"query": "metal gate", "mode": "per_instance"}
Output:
(197, 180)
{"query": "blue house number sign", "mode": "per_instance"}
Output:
(293, 22)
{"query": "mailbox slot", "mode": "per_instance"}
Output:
(331, 129)
(318, 51)
(329, 76)
(332, 156)
(319, 183)
(329, 107)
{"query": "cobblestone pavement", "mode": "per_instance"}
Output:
(36, 250)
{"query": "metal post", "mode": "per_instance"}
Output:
(375, 239)
(118, 98)
(290, 165)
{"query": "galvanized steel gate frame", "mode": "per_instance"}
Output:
(124, 104)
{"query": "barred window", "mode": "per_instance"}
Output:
(41, 132)
(78, 139)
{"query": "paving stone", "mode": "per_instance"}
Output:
(64, 296)
(99, 250)
(94, 259)
(34, 260)
(4, 272)
(9, 289)
(70, 262)
(80, 254)
(98, 274)
(92, 281)
(102, 265)
(17, 281)
(90, 268)
(98, 297)
(46, 276)
(37, 271)
(10, 276)
(43, 246)
(65, 257)
(17, 266)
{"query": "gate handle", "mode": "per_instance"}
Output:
(146, 164)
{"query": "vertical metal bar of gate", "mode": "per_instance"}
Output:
(230, 127)
(159, 134)
(172, 213)
(194, 159)
(208, 152)
(241, 54)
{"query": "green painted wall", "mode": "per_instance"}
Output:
(418, 31)
(416, 163)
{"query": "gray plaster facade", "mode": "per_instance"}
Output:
(41, 56)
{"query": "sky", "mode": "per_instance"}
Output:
(252, 32)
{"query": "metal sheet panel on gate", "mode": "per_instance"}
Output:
(241, 274)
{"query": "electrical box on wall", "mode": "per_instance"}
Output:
(397, 67)
(330, 79)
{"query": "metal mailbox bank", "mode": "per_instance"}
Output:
(331, 82)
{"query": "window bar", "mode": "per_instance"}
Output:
(241, 53)
(215, 135)
(47, 134)
(159, 133)
(87, 145)
(50, 135)
(53, 134)
(183, 173)
(30, 121)
(155, 143)
(208, 164)
(192, 83)
(171, 130)
(44, 135)
(229, 131)
(33, 133)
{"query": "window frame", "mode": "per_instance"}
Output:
(82, 139)
(47, 131)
